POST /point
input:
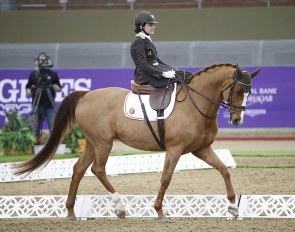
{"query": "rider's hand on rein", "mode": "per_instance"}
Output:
(169, 74)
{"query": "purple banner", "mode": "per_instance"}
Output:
(270, 105)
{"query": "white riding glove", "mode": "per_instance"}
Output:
(169, 74)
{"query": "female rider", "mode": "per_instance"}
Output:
(149, 68)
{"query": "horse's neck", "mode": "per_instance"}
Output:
(210, 84)
(212, 81)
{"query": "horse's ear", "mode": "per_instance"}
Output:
(240, 74)
(253, 74)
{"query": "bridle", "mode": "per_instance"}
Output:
(224, 104)
(229, 103)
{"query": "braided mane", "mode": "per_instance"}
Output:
(214, 66)
(206, 69)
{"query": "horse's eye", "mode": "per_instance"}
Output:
(240, 92)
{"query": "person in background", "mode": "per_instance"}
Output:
(42, 85)
(149, 68)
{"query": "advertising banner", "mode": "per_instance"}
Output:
(270, 105)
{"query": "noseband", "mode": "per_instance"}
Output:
(224, 104)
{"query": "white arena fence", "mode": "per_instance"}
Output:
(141, 206)
(116, 165)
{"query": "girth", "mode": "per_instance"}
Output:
(159, 101)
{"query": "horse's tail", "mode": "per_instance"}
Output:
(65, 116)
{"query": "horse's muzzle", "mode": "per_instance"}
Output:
(236, 122)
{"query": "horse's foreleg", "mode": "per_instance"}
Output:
(78, 172)
(98, 169)
(169, 166)
(209, 156)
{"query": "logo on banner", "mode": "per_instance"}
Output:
(13, 93)
(255, 112)
(260, 96)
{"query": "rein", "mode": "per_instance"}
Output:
(224, 104)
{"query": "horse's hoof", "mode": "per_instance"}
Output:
(233, 210)
(71, 218)
(163, 219)
(120, 214)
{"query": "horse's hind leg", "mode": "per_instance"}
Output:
(98, 169)
(209, 156)
(78, 172)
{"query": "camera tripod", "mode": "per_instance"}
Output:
(37, 117)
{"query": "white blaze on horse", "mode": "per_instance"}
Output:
(191, 127)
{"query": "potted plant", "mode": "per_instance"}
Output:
(16, 136)
(44, 138)
(74, 138)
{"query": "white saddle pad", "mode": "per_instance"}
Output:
(133, 110)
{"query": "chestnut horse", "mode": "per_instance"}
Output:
(191, 127)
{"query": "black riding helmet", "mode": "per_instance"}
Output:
(143, 18)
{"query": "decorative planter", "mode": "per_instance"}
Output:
(81, 145)
(59, 151)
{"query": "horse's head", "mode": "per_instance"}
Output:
(236, 94)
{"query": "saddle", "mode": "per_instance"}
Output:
(159, 101)
(159, 97)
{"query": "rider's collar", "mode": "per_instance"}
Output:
(143, 35)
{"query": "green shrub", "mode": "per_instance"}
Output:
(72, 135)
(16, 134)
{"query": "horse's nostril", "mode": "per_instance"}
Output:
(236, 122)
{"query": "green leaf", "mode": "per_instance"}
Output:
(16, 133)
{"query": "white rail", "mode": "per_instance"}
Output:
(141, 206)
(116, 165)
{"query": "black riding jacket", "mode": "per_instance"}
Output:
(149, 67)
(44, 80)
